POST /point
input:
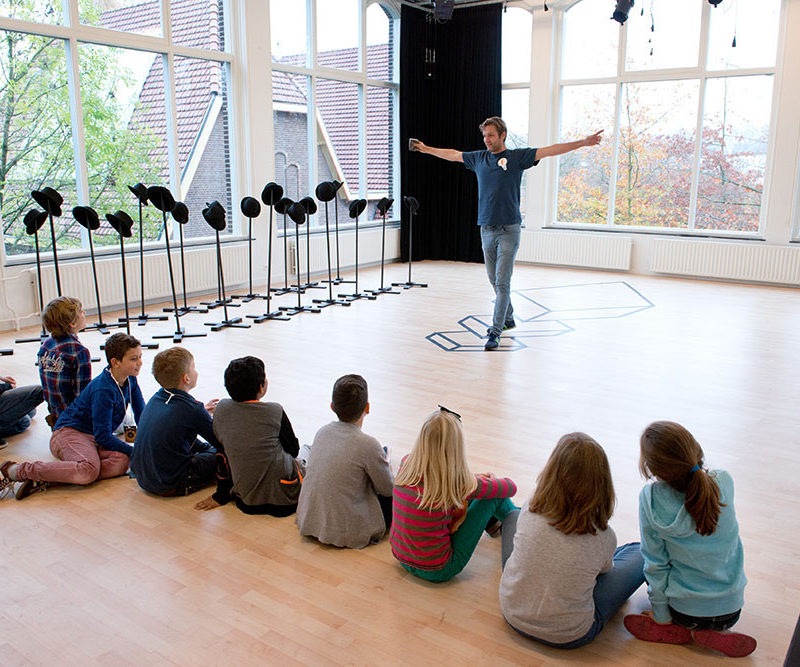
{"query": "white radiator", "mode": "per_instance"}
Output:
(597, 251)
(201, 275)
(369, 250)
(733, 261)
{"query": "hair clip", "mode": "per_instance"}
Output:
(449, 411)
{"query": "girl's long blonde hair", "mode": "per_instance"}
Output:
(438, 464)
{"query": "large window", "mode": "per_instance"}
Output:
(684, 94)
(335, 101)
(89, 111)
(516, 73)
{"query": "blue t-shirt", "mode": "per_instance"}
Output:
(499, 177)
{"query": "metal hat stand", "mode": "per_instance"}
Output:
(310, 206)
(383, 207)
(282, 207)
(140, 192)
(413, 206)
(162, 199)
(325, 192)
(357, 208)
(87, 218)
(34, 219)
(214, 213)
(51, 201)
(251, 208)
(338, 280)
(297, 212)
(271, 196)
(123, 224)
(180, 214)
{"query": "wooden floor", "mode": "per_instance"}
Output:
(109, 575)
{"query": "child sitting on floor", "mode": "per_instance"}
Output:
(562, 578)
(168, 458)
(259, 443)
(65, 365)
(83, 439)
(440, 508)
(693, 559)
(346, 495)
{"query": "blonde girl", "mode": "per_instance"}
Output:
(693, 559)
(563, 577)
(440, 508)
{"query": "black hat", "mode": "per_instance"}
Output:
(309, 205)
(297, 212)
(337, 184)
(161, 197)
(215, 215)
(49, 200)
(140, 190)
(357, 207)
(271, 193)
(122, 222)
(384, 205)
(326, 191)
(34, 219)
(251, 207)
(86, 217)
(180, 213)
(412, 204)
(283, 204)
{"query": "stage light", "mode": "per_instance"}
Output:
(621, 11)
(714, 2)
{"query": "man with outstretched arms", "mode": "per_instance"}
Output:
(499, 172)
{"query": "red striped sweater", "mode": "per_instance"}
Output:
(421, 538)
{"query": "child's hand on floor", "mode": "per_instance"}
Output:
(207, 504)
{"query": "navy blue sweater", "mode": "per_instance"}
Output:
(166, 433)
(100, 409)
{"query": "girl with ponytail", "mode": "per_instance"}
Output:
(693, 560)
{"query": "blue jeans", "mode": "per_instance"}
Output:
(611, 591)
(17, 407)
(500, 245)
(465, 539)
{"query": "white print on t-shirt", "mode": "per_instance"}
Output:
(51, 363)
(502, 163)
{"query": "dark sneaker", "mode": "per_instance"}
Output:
(3, 443)
(509, 324)
(494, 527)
(29, 487)
(51, 421)
(492, 342)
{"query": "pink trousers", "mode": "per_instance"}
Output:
(81, 460)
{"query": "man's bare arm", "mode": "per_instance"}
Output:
(560, 149)
(444, 153)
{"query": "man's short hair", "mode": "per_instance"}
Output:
(498, 123)
(350, 397)
(60, 314)
(118, 344)
(244, 378)
(169, 366)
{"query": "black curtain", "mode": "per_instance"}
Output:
(444, 110)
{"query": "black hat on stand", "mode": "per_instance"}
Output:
(412, 204)
(86, 217)
(271, 193)
(214, 215)
(251, 207)
(121, 222)
(326, 191)
(34, 219)
(140, 192)
(282, 205)
(384, 205)
(49, 200)
(180, 213)
(309, 205)
(161, 197)
(357, 207)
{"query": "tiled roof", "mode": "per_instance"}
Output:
(338, 106)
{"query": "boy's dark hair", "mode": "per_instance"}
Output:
(350, 397)
(169, 366)
(118, 344)
(244, 378)
(59, 315)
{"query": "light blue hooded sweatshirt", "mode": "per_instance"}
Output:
(697, 575)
